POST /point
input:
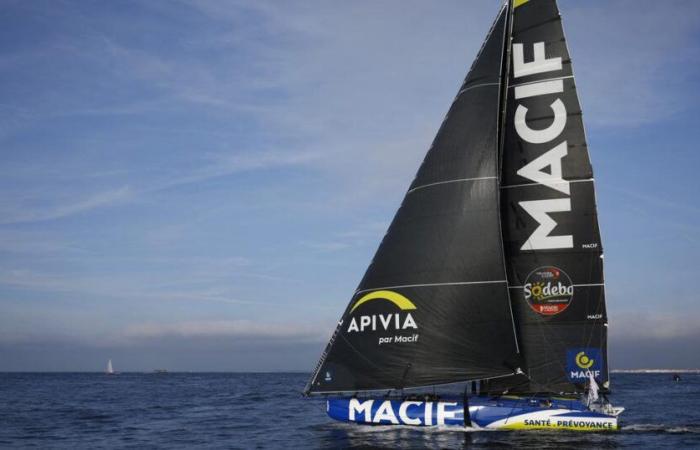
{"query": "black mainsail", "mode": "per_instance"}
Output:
(493, 263)
(552, 241)
(433, 306)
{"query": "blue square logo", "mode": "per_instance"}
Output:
(582, 361)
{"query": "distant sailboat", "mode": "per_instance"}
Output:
(110, 370)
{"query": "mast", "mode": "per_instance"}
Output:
(433, 306)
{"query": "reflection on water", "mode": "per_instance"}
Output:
(389, 437)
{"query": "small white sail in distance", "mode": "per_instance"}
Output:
(110, 370)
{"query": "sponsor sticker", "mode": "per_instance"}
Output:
(548, 290)
(580, 362)
(392, 323)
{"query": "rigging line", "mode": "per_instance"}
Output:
(449, 181)
(541, 81)
(456, 283)
(587, 180)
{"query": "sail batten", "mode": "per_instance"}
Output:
(437, 183)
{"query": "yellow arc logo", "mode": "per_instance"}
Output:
(583, 361)
(394, 297)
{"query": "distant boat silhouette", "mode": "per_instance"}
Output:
(161, 371)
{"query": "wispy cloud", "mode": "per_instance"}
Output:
(227, 328)
(635, 74)
(218, 158)
(19, 213)
(57, 206)
(225, 164)
(363, 234)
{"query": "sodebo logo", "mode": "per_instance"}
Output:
(548, 290)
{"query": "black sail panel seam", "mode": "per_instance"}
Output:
(455, 283)
(525, 83)
(438, 183)
(563, 180)
(574, 285)
(469, 88)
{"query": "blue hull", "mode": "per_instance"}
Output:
(503, 413)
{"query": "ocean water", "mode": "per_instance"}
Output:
(261, 410)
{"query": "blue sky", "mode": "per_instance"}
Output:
(200, 185)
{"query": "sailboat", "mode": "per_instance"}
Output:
(490, 275)
(110, 370)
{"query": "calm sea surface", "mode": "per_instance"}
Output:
(266, 411)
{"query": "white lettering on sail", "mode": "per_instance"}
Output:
(395, 321)
(360, 408)
(385, 321)
(539, 64)
(545, 134)
(409, 323)
(552, 159)
(540, 238)
(547, 168)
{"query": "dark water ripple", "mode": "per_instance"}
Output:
(250, 411)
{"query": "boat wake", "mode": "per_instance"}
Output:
(662, 428)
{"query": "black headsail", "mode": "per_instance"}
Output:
(551, 236)
(433, 306)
